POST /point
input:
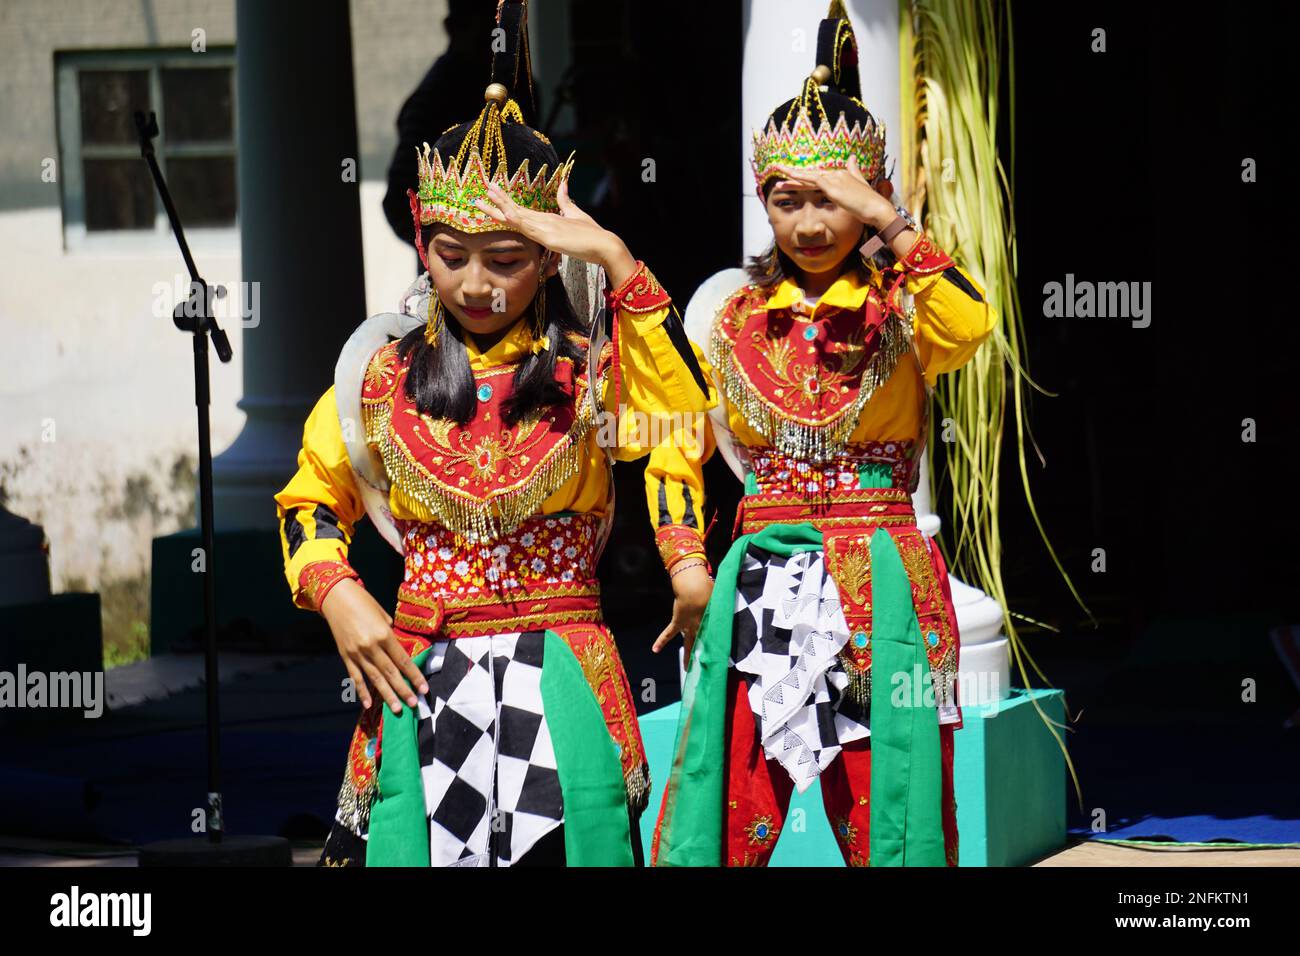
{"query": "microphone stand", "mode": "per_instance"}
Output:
(194, 315)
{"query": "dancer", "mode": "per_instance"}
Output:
(824, 359)
(498, 726)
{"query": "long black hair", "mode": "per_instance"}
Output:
(440, 383)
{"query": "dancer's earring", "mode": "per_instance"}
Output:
(433, 326)
(540, 341)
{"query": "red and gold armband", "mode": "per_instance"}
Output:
(316, 580)
(925, 257)
(677, 542)
(639, 293)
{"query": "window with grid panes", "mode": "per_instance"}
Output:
(107, 184)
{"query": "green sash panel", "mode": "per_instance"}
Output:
(596, 825)
(399, 830)
(597, 831)
(691, 828)
(906, 773)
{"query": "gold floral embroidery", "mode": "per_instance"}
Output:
(804, 437)
(483, 453)
(920, 570)
(640, 292)
(925, 256)
(514, 496)
(852, 572)
(735, 311)
(761, 831)
(595, 667)
(600, 666)
(382, 370)
(677, 542)
(812, 382)
(316, 579)
(845, 831)
(849, 561)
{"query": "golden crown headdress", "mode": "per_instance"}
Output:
(447, 192)
(448, 187)
(806, 136)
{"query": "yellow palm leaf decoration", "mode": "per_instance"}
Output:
(951, 62)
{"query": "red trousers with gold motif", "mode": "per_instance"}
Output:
(756, 795)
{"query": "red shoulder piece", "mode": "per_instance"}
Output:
(381, 374)
(739, 306)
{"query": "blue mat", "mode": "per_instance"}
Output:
(1188, 783)
(1204, 828)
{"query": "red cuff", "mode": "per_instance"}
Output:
(316, 580)
(925, 257)
(639, 293)
(678, 542)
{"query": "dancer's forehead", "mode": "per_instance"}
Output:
(789, 189)
(496, 241)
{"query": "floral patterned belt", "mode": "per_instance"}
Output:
(858, 508)
(777, 472)
(540, 574)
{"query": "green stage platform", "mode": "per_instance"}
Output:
(1010, 777)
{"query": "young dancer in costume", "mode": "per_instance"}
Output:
(474, 442)
(824, 368)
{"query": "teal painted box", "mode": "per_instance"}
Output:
(1009, 774)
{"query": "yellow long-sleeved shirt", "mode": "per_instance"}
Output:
(951, 319)
(319, 508)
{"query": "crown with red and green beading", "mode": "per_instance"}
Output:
(806, 137)
(448, 191)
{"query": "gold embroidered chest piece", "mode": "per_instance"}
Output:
(483, 478)
(802, 382)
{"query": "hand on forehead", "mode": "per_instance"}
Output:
(793, 184)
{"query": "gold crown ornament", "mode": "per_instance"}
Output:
(806, 137)
(447, 192)
(826, 145)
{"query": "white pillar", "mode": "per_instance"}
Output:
(780, 45)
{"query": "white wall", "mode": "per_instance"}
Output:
(86, 362)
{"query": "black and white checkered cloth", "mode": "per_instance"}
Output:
(787, 631)
(491, 788)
